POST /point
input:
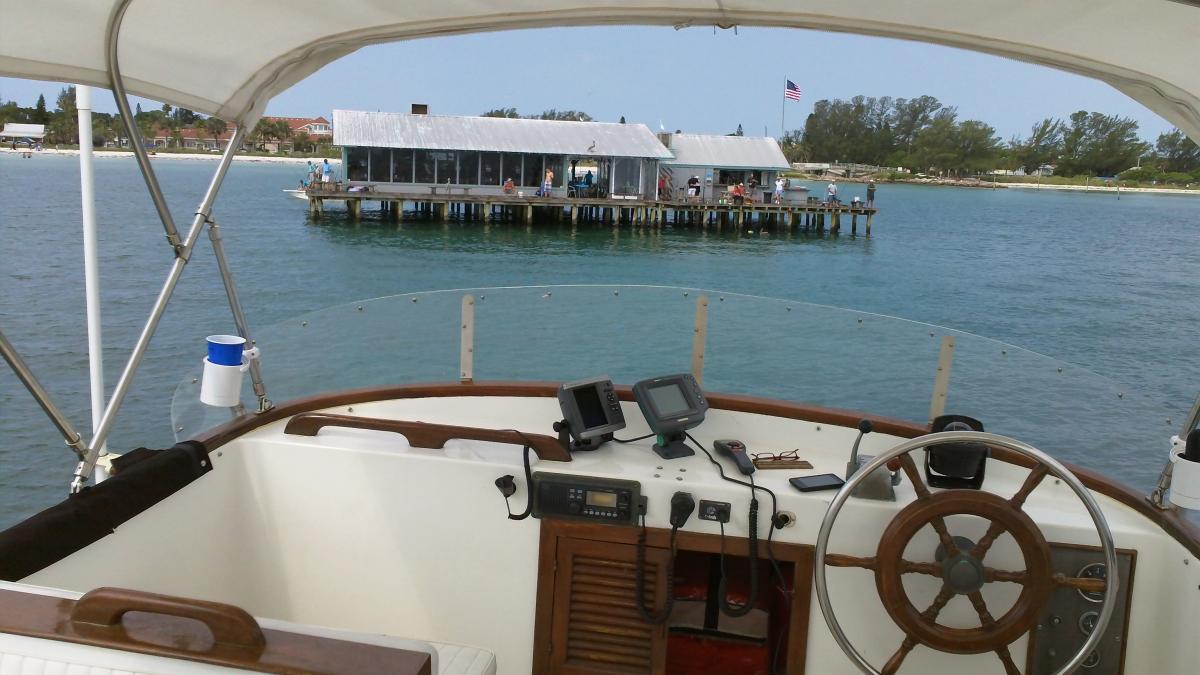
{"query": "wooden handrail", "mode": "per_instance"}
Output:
(103, 608)
(196, 630)
(425, 435)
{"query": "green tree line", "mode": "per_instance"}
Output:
(924, 135)
(551, 114)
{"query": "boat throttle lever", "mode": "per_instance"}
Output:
(736, 450)
(864, 427)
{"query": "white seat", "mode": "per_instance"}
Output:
(463, 660)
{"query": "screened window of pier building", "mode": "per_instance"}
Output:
(402, 166)
(381, 165)
(356, 164)
(489, 168)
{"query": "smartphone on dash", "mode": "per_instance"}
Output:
(824, 481)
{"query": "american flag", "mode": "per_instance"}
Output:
(791, 91)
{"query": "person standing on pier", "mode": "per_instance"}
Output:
(547, 182)
(831, 192)
(779, 184)
(326, 172)
(871, 195)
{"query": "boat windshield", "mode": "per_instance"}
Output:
(758, 346)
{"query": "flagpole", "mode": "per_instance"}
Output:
(783, 112)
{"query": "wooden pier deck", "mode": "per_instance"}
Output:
(455, 203)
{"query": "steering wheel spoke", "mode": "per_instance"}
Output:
(893, 664)
(1080, 583)
(839, 560)
(914, 476)
(1036, 474)
(1006, 658)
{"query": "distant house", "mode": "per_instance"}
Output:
(193, 138)
(317, 127)
(720, 162)
(407, 152)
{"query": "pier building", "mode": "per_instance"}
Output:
(720, 162)
(399, 152)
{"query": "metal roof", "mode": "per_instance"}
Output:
(494, 134)
(727, 152)
(18, 130)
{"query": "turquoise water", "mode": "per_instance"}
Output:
(1108, 284)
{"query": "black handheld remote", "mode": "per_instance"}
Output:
(736, 450)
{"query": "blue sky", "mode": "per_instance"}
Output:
(695, 80)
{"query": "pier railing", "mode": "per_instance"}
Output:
(739, 344)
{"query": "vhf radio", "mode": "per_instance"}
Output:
(603, 500)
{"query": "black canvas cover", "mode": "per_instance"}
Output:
(141, 478)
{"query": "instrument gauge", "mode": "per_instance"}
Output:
(1087, 622)
(1093, 571)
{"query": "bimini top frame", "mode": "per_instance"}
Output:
(182, 251)
(231, 72)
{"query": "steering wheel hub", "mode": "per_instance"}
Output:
(963, 574)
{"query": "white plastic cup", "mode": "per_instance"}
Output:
(221, 386)
(1185, 483)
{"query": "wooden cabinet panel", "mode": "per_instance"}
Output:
(597, 627)
(586, 621)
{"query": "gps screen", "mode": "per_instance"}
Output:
(668, 400)
(590, 407)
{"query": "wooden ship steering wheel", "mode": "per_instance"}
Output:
(959, 562)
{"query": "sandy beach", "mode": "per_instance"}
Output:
(209, 156)
(1104, 188)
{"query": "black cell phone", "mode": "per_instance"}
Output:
(823, 481)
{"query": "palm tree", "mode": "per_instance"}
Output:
(215, 127)
(263, 130)
(302, 141)
(282, 132)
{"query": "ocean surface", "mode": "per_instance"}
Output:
(1104, 284)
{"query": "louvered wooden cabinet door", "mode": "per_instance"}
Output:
(596, 625)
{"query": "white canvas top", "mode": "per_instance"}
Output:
(726, 152)
(18, 130)
(494, 134)
(245, 52)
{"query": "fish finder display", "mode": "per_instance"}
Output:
(669, 400)
(672, 404)
(591, 413)
(591, 410)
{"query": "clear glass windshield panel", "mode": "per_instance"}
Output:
(764, 347)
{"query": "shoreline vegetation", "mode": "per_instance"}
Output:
(927, 137)
(1061, 183)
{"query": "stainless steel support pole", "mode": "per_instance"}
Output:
(18, 365)
(160, 305)
(91, 268)
(239, 317)
(135, 137)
